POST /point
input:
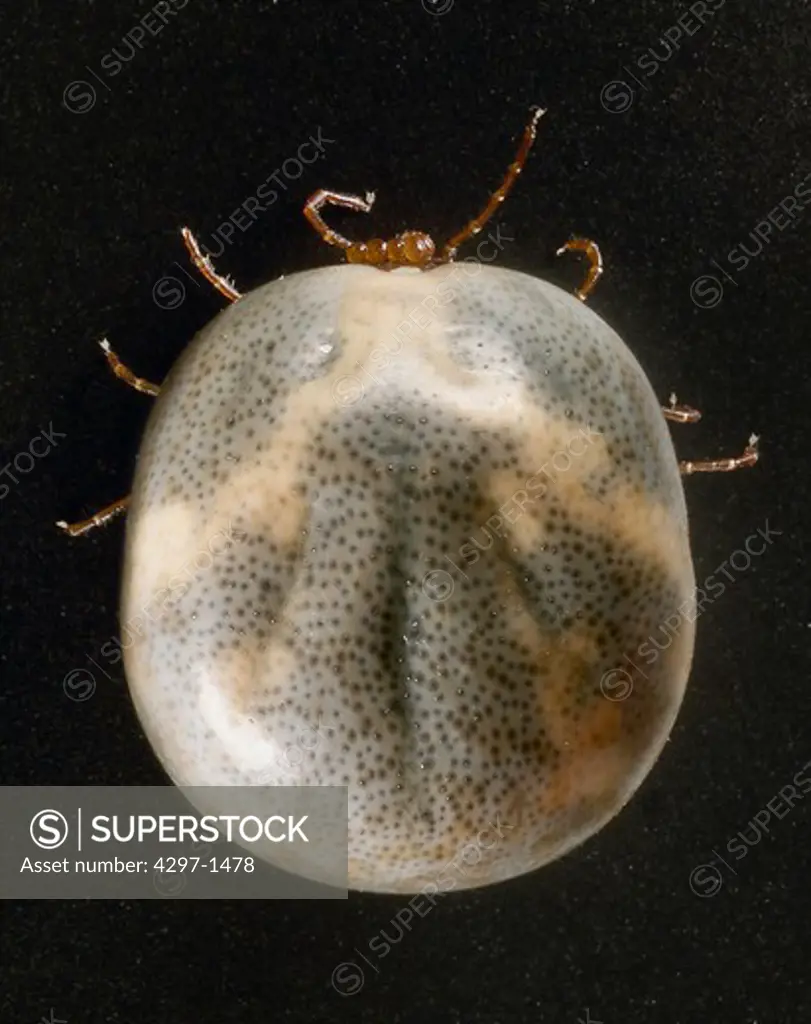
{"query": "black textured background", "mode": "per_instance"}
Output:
(425, 108)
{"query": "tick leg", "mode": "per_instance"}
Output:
(749, 458)
(323, 197)
(501, 193)
(595, 258)
(125, 373)
(680, 413)
(99, 519)
(203, 264)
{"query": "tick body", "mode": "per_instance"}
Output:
(417, 517)
(416, 528)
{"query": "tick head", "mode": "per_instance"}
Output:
(409, 249)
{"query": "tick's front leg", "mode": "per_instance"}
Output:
(595, 258)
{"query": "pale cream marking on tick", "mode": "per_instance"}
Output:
(391, 334)
(221, 701)
(262, 495)
(589, 776)
(551, 449)
(395, 333)
(639, 524)
(371, 311)
(592, 760)
(166, 542)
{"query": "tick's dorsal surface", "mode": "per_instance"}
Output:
(418, 518)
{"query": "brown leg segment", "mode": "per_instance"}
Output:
(203, 264)
(323, 197)
(99, 519)
(595, 258)
(124, 373)
(749, 458)
(680, 413)
(498, 197)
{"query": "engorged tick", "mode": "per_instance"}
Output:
(421, 533)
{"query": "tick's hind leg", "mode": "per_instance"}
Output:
(125, 373)
(595, 258)
(749, 458)
(203, 264)
(680, 413)
(99, 519)
(110, 511)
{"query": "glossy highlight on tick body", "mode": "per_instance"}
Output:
(453, 506)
